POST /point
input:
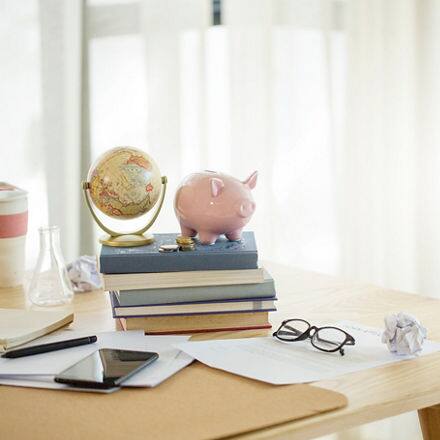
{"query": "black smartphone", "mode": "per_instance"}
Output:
(106, 368)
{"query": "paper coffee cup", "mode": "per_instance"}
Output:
(13, 229)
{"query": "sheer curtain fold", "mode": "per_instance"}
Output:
(174, 34)
(64, 146)
(428, 151)
(41, 54)
(379, 152)
(390, 182)
(281, 124)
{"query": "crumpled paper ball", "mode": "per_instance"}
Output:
(83, 274)
(403, 334)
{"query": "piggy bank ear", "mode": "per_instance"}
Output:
(216, 186)
(251, 181)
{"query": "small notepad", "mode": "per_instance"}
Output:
(18, 326)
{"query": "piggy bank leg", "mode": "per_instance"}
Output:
(234, 235)
(207, 237)
(187, 232)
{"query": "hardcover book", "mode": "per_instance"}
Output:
(159, 280)
(223, 255)
(197, 323)
(266, 289)
(193, 308)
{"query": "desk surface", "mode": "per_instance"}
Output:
(372, 394)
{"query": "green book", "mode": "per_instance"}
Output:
(266, 289)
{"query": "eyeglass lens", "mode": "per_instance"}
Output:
(328, 338)
(293, 329)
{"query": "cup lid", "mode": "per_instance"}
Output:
(10, 192)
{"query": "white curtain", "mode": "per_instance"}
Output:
(334, 102)
(40, 131)
(391, 154)
(253, 93)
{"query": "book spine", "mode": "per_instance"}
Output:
(144, 263)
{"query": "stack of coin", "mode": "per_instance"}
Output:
(185, 243)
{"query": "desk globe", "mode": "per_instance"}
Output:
(124, 183)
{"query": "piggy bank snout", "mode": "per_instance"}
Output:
(246, 208)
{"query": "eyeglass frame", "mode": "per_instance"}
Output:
(349, 340)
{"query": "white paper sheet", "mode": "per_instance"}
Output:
(171, 360)
(38, 370)
(270, 360)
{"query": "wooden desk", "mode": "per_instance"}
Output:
(372, 394)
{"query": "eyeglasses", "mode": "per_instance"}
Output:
(328, 339)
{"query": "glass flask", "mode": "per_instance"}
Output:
(50, 284)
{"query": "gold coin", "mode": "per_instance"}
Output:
(187, 244)
(187, 247)
(182, 239)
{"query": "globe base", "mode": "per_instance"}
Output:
(127, 240)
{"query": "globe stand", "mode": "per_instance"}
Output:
(136, 238)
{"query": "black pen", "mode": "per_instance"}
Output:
(46, 348)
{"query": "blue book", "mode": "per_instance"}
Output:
(223, 255)
(243, 305)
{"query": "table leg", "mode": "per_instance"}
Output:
(429, 419)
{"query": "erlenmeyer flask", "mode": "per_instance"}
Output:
(50, 284)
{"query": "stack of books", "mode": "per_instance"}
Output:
(212, 288)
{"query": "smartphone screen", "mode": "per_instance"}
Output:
(106, 368)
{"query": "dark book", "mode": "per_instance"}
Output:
(266, 289)
(245, 305)
(223, 255)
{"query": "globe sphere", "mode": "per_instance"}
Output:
(124, 183)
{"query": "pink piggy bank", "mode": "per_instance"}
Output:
(211, 204)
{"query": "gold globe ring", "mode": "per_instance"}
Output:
(136, 238)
